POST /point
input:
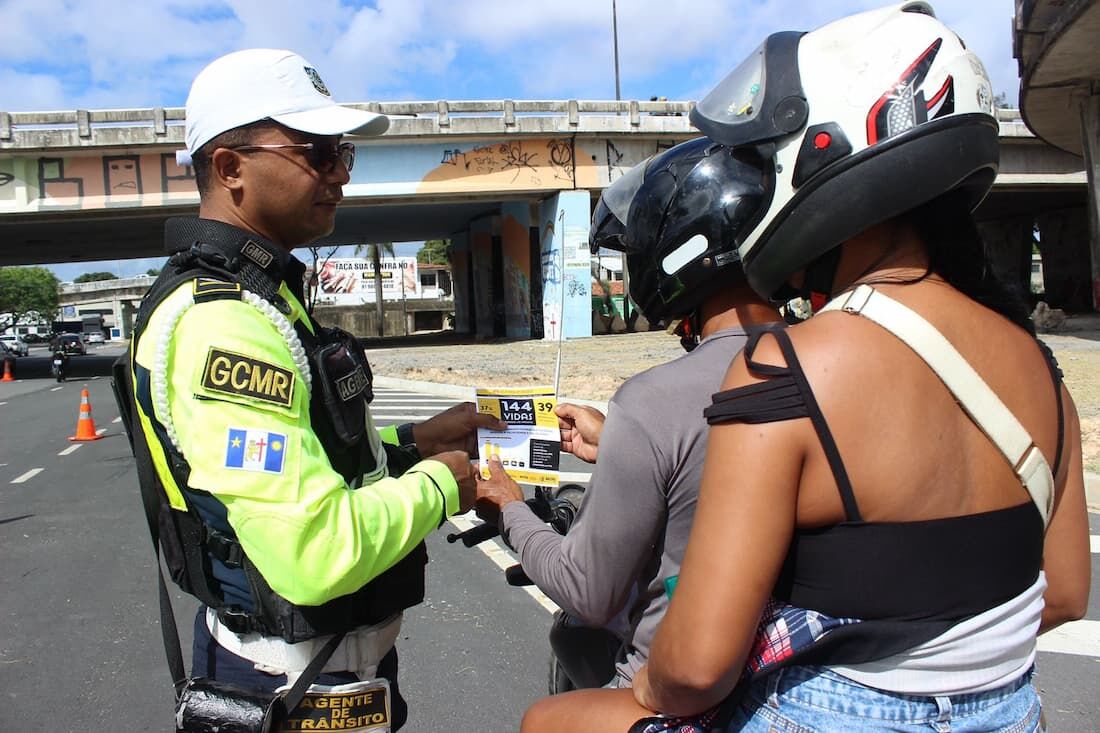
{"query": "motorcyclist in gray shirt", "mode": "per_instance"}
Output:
(615, 568)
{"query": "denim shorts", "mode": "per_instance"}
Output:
(817, 700)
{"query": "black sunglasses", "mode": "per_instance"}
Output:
(321, 156)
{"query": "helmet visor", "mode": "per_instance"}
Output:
(760, 100)
(620, 193)
(738, 98)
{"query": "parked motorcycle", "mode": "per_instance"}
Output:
(570, 669)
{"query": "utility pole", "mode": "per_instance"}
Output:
(615, 42)
(618, 97)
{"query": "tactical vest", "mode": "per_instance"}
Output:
(201, 549)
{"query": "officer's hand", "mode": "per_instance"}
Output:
(465, 474)
(454, 429)
(495, 492)
(580, 430)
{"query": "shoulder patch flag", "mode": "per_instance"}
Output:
(255, 450)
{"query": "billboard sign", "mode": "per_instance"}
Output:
(350, 281)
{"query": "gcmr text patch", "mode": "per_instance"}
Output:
(236, 374)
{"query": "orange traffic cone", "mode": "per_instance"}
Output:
(85, 425)
(7, 372)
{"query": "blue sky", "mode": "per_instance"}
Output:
(94, 54)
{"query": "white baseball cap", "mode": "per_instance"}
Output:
(260, 83)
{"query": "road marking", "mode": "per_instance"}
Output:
(117, 419)
(101, 431)
(1094, 544)
(56, 388)
(69, 450)
(1077, 637)
(3, 403)
(503, 560)
(28, 475)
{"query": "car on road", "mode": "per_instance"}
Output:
(94, 338)
(69, 343)
(15, 344)
(6, 351)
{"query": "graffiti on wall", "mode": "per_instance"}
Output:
(562, 160)
(7, 180)
(598, 162)
(90, 182)
(520, 163)
(79, 180)
(575, 287)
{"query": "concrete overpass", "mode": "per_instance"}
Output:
(116, 300)
(1055, 44)
(509, 182)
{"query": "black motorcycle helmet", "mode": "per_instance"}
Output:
(687, 207)
(610, 215)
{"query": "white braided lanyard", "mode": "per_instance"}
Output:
(159, 375)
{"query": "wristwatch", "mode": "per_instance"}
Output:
(405, 435)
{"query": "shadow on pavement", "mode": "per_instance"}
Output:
(80, 367)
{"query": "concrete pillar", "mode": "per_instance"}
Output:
(461, 275)
(1090, 129)
(117, 315)
(125, 318)
(566, 265)
(1064, 247)
(481, 261)
(515, 238)
(1008, 250)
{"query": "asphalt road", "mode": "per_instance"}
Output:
(80, 647)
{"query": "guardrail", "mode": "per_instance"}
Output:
(165, 125)
(141, 281)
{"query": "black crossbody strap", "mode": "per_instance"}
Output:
(309, 674)
(151, 502)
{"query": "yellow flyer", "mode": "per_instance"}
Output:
(530, 449)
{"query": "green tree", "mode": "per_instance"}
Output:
(435, 252)
(26, 291)
(320, 257)
(91, 277)
(375, 252)
(153, 271)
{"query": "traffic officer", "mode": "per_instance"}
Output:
(282, 507)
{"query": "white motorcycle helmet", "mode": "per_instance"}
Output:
(863, 119)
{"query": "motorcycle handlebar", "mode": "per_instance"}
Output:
(474, 535)
(559, 513)
(540, 505)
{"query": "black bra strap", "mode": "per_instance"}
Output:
(756, 367)
(1056, 377)
(832, 453)
(786, 396)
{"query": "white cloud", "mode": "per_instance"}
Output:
(39, 92)
(59, 53)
